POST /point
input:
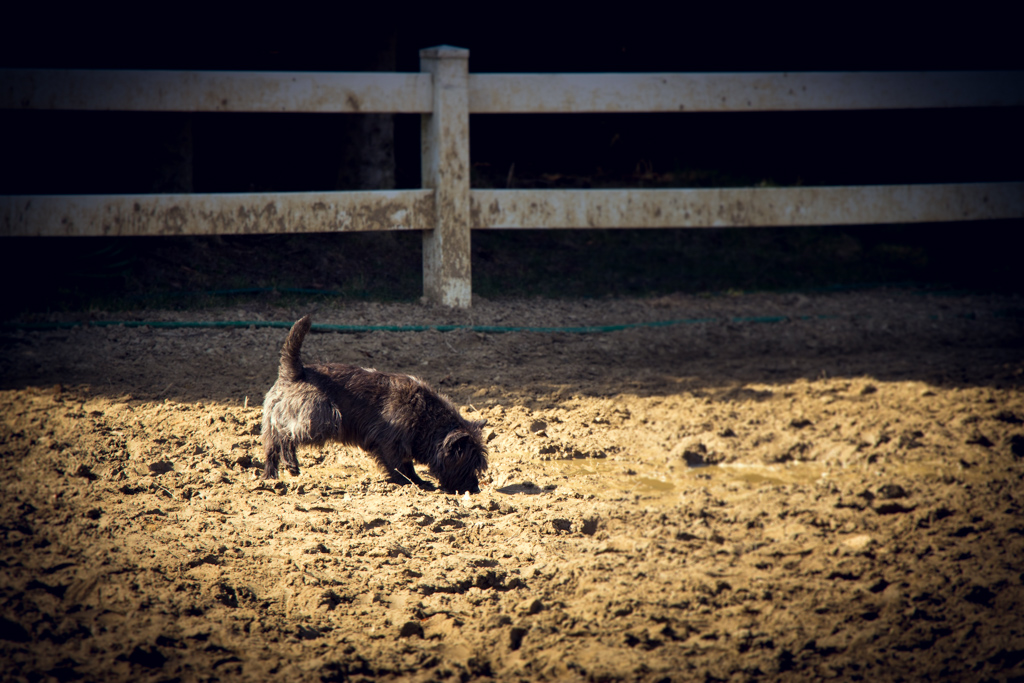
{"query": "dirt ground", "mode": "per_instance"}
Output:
(835, 494)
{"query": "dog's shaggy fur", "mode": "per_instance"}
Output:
(397, 419)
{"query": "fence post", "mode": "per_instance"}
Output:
(445, 168)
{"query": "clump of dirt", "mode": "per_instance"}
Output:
(815, 486)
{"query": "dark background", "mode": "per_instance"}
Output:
(117, 152)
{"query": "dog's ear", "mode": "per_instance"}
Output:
(454, 436)
(479, 424)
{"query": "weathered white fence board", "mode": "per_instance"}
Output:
(249, 91)
(216, 214)
(724, 92)
(746, 207)
(367, 92)
(262, 213)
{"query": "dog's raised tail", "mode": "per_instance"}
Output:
(291, 365)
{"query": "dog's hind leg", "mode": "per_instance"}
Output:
(290, 460)
(278, 447)
(271, 454)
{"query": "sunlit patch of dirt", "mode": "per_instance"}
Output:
(836, 495)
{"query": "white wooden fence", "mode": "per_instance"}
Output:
(446, 209)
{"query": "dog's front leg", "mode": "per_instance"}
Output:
(406, 474)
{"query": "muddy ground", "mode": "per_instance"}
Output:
(837, 494)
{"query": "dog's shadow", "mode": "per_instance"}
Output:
(248, 462)
(527, 487)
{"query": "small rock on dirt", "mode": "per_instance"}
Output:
(892, 492)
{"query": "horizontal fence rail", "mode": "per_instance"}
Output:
(725, 92)
(223, 91)
(295, 212)
(446, 210)
(215, 214)
(410, 93)
(746, 207)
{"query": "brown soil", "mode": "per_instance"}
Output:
(836, 495)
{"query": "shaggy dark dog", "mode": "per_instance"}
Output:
(397, 419)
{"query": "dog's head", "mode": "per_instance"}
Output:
(462, 457)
